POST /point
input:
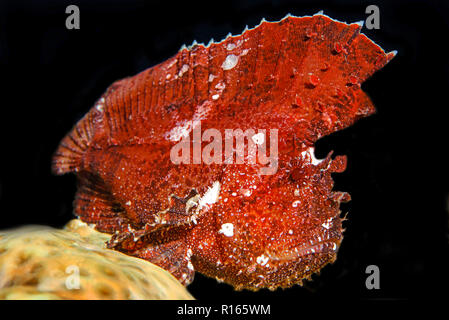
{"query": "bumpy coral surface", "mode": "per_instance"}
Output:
(295, 80)
(43, 263)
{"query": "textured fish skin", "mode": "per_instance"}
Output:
(301, 76)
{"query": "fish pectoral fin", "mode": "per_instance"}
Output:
(95, 204)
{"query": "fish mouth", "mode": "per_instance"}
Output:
(325, 240)
(330, 246)
(292, 266)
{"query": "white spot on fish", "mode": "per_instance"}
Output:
(183, 70)
(326, 225)
(230, 62)
(230, 46)
(100, 105)
(220, 86)
(262, 260)
(227, 229)
(172, 63)
(211, 196)
(311, 155)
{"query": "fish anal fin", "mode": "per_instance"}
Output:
(162, 245)
(173, 256)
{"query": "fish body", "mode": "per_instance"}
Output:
(265, 218)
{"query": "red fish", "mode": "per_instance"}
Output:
(284, 84)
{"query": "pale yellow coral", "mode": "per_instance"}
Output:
(44, 263)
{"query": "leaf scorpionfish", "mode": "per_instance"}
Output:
(227, 220)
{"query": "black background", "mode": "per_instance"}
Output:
(397, 172)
